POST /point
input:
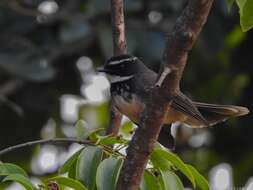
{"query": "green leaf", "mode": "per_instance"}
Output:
(72, 171)
(127, 129)
(69, 182)
(230, 4)
(66, 167)
(107, 173)
(24, 181)
(111, 140)
(150, 182)
(170, 181)
(177, 162)
(87, 164)
(241, 3)
(202, 183)
(8, 168)
(82, 130)
(246, 14)
(160, 162)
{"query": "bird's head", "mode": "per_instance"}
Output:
(122, 67)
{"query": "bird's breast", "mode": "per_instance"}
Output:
(132, 108)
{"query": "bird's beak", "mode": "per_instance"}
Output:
(104, 70)
(101, 69)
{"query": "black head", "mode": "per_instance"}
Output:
(123, 66)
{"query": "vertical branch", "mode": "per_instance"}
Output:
(118, 26)
(119, 47)
(180, 42)
(115, 120)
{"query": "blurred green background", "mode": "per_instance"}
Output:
(49, 50)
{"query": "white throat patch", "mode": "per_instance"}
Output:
(116, 78)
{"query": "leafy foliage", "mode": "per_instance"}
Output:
(69, 182)
(8, 169)
(20, 179)
(70, 163)
(246, 13)
(174, 162)
(170, 181)
(97, 168)
(87, 164)
(150, 181)
(201, 182)
(108, 173)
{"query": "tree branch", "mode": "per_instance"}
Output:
(115, 120)
(181, 40)
(58, 141)
(118, 25)
(119, 47)
(44, 141)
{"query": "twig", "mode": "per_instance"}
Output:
(57, 141)
(164, 74)
(179, 43)
(44, 141)
(119, 47)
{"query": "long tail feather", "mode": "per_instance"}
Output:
(214, 113)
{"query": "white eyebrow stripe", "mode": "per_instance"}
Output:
(115, 79)
(122, 60)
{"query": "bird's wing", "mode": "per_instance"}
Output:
(184, 105)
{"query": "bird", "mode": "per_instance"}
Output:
(131, 81)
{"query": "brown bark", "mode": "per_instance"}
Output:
(180, 42)
(119, 47)
(115, 120)
(118, 25)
